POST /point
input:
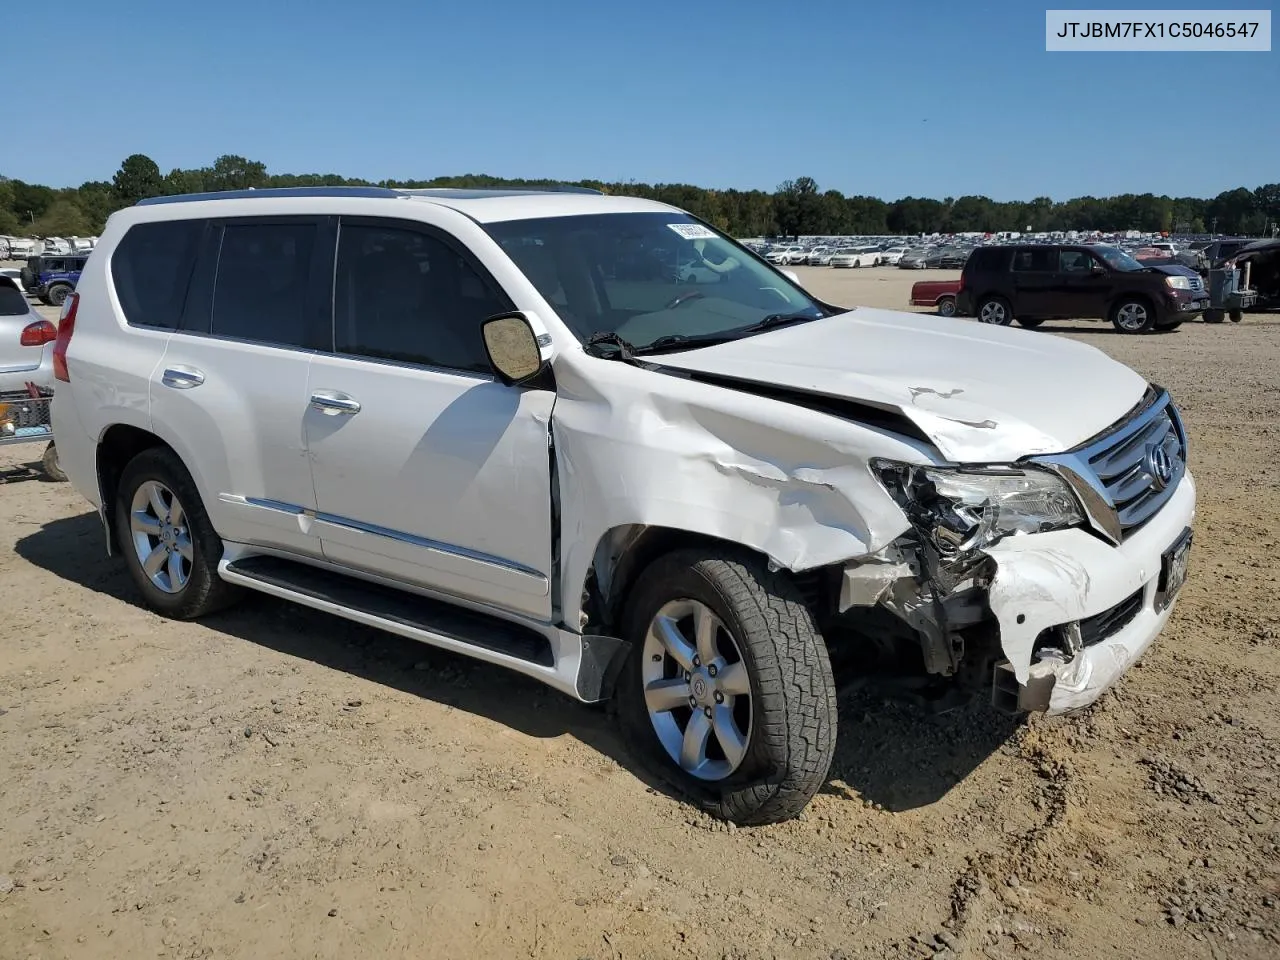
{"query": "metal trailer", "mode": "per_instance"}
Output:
(25, 418)
(1229, 294)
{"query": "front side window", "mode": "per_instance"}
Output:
(648, 276)
(1075, 261)
(261, 286)
(404, 295)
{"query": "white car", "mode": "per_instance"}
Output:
(786, 255)
(890, 256)
(449, 414)
(854, 257)
(14, 274)
(818, 256)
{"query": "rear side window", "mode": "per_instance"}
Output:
(151, 267)
(261, 289)
(12, 302)
(405, 295)
(1037, 259)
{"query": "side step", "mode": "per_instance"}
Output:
(396, 611)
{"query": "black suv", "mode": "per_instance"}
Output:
(1077, 281)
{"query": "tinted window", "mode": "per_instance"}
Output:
(1074, 261)
(988, 258)
(151, 268)
(261, 287)
(403, 294)
(12, 302)
(1037, 258)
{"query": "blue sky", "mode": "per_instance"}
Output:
(889, 99)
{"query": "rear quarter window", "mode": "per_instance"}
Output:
(151, 268)
(12, 302)
(988, 259)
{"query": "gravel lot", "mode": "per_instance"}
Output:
(278, 783)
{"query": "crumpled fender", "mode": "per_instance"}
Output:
(787, 481)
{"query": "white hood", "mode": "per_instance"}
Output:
(981, 393)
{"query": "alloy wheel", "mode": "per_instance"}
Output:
(697, 690)
(161, 539)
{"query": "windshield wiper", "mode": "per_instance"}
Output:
(681, 341)
(777, 320)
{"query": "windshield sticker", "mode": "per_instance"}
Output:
(693, 231)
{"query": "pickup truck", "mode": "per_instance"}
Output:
(936, 293)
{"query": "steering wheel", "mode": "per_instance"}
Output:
(684, 298)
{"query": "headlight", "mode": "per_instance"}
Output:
(1178, 283)
(961, 510)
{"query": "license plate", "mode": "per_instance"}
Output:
(1173, 570)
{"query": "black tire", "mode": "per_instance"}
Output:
(204, 591)
(1214, 316)
(1236, 316)
(49, 465)
(1030, 322)
(57, 294)
(997, 308)
(1123, 305)
(947, 307)
(793, 697)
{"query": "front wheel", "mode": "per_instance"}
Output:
(1214, 316)
(727, 692)
(1133, 316)
(1236, 316)
(57, 294)
(168, 543)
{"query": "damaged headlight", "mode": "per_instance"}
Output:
(962, 510)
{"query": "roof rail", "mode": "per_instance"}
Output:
(385, 193)
(251, 193)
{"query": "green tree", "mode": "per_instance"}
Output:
(230, 172)
(137, 179)
(63, 219)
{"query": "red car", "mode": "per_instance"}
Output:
(936, 293)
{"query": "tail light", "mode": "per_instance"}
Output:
(66, 327)
(38, 334)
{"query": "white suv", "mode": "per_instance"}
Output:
(506, 424)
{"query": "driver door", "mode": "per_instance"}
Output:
(427, 469)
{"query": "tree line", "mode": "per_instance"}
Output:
(796, 208)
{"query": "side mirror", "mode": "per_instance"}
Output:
(1097, 269)
(792, 276)
(513, 348)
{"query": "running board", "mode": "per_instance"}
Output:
(584, 667)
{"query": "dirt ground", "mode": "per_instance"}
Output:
(278, 783)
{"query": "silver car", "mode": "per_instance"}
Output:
(26, 343)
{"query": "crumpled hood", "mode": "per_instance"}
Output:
(981, 393)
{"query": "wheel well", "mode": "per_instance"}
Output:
(120, 444)
(623, 553)
(944, 296)
(1121, 298)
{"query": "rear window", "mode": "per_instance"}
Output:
(151, 268)
(988, 258)
(12, 302)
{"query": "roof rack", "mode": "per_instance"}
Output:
(385, 193)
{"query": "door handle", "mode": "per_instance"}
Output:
(182, 377)
(331, 403)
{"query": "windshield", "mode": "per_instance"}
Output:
(646, 276)
(1118, 260)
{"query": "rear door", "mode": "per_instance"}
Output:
(230, 393)
(1033, 276)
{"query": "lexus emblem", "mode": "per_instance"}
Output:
(1159, 466)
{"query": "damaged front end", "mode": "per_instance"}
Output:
(938, 577)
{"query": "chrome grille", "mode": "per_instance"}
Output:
(1117, 475)
(1197, 284)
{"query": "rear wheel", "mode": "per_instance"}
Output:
(168, 543)
(1030, 322)
(1214, 316)
(995, 310)
(947, 306)
(727, 693)
(1133, 315)
(1236, 316)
